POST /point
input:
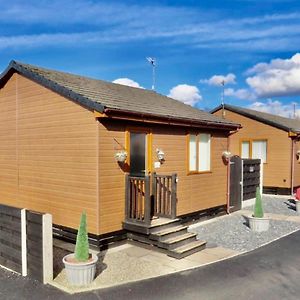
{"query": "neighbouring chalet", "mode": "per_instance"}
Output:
(62, 134)
(272, 138)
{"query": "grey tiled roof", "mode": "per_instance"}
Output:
(286, 124)
(100, 95)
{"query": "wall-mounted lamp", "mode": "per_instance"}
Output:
(160, 155)
(298, 155)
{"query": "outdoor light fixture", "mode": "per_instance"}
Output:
(160, 155)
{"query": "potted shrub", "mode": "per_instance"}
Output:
(81, 265)
(257, 222)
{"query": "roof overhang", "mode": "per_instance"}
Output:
(253, 117)
(110, 113)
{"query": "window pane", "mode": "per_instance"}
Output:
(245, 150)
(193, 153)
(259, 150)
(204, 152)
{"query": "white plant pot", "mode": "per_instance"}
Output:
(80, 273)
(298, 206)
(259, 224)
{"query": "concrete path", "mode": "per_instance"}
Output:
(129, 263)
(270, 273)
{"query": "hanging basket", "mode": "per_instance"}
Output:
(121, 156)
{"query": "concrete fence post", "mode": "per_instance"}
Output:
(24, 242)
(47, 249)
(261, 176)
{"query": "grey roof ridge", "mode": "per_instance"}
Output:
(237, 109)
(84, 101)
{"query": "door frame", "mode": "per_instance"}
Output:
(148, 154)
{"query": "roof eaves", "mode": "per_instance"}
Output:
(63, 91)
(251, 116)
(225, 125)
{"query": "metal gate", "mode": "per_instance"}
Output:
(245, 177)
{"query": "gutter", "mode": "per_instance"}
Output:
(187, 122)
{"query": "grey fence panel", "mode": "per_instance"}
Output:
(34, 228)
(10, 238)
(251, 177)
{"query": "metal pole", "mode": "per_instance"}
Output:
(153, 77)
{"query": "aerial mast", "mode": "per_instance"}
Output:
(222, 98)
(152, 62)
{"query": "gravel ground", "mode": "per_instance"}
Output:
(232, 231)
(277, 205)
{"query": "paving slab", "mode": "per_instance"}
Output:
(227, 236)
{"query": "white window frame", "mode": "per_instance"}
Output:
(197, 159)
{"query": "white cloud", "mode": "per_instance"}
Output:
(128, 82)
(115, 22)
(188, 94)
(276, 108)
(218, 79)
(280, 77)
(243, 94)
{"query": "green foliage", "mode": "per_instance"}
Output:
(82, 242)
(258, 209)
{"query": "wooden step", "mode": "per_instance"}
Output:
(178, 241)
(168, 233)
(159, 225)
(187, 249)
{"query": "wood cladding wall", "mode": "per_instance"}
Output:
(297, 166)
(195, 192)
(277, 170)
(48, 153)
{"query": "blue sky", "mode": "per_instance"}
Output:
(252, 45)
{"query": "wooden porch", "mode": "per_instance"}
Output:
(150, 215)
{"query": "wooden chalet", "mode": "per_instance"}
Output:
(59, 137)
(273, 139)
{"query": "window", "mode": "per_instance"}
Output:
(254, 149)
(199, 152)
(193, 152)
(259, 150)
(245, 149)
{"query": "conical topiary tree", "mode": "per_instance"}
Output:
(258, 209)
(82, 242)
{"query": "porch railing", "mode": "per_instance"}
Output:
(138, 201)
(164, 194)
(144, 200)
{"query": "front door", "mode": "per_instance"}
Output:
(138, 153)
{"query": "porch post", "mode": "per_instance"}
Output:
(174, 196)
(147, 201)
(127, 197)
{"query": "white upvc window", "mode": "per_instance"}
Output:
(245, 149)
(193, 153)
(199, 152)
(254, 149)
(259, 150)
